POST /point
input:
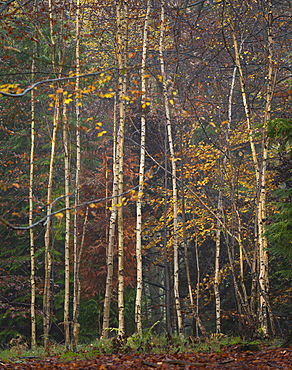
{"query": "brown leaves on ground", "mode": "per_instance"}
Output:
(229, 358)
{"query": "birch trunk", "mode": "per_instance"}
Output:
(77, 183)
(168, 314)
(110, 251)
(141, 178)
(31, 172)
(67, 229)
(46, 297)
(121, 175)
(174, 187)
(219, 208)
(263, 256)
(245, 104)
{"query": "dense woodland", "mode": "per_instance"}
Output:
(145, 168)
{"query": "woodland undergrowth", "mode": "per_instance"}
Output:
(122, 345)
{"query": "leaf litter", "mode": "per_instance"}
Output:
(230, 357)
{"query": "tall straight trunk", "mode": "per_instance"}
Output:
(168, 315)
(263, 256)
(46, 297)
(111, 237)
(77, 183)
(194, 312)
(121, 46)
(32, 259)
(141, 178)
(67, 229)
(174, 187)
(219, 209)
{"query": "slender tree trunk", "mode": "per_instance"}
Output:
(219, 209)
(122, 91)
(263, 255)
(174, 187)
(245, 103)
(168, 311)
(67, 229)
(46, 297)
(32, 259)
(77, 183)
(141, 178)
(110, 251)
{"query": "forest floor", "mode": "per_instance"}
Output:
(240, 355)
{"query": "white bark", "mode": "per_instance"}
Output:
(141, 178)
(110, 251)
(77, 183)
(31, 174)
(174, 187)
(67, 229)
(219, 208)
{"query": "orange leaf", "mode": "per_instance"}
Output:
(59, 216)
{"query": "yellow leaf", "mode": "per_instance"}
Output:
(101, 133)
(92, 205)
(59, 216)
(171, 102)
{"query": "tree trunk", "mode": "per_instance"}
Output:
(174, 187)
(32, 259)
(46, 297)
(141, 178)
(263, 254)
(67, 229)
(219, 208)
(122, 92)
(110, 251)
(77, 183)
